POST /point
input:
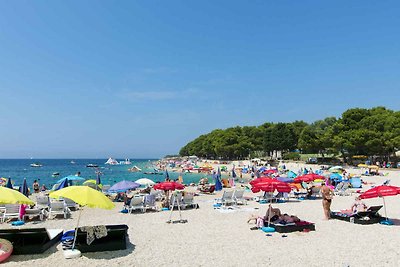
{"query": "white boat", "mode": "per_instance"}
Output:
(36, 165)
(111, 161)
(73, 162)
(135, 169)
(126, 162)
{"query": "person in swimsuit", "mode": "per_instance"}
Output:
(327, 195)
(36, 186)
(358, 205)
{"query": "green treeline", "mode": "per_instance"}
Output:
(358, 131)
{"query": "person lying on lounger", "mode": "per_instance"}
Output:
(358, 205)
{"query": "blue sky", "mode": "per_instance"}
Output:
(142, 78)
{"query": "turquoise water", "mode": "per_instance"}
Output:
(18, 169)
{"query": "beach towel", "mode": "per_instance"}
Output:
(94, 232)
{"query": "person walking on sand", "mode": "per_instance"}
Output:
(327, 195)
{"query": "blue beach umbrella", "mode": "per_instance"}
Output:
(123, 186)
(71, 178)
(218, 184)
(335, 177)
(63, 184)
(9, 185)
(233, 172)
(166, 174)
(291, 174)
(284, 179)
(24, 188)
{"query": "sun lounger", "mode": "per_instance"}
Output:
(226, 198)
(70, 204)
(150, 202)
(42, 202)
(31, 240)
(187, 201)
(293, 227)
(58, 208)
(10, 211)
(238, 197)
(370, 216)
(34, 212)
(136, 204)
(115, 240)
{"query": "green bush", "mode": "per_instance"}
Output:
(292, 156)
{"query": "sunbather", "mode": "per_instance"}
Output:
(358, 205)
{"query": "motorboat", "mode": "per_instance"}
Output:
(36, 165)
(90, 165)
(55, 174)
(126, 162)
(72, 162)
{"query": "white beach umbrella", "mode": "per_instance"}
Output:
(145, 181)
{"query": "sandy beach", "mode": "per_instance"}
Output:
(223, 237)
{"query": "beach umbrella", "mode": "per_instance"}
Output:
(218, 184)
(336, 177)
(269, 172)
(233, 172)
(381, 191)
(145, 182)
(98, 181)
(24, 188)
(9, 185)
(123, 186)
(169, 186)
(284, 179)
(291, 174)
(166, 174)
(271, 185)
(308, 178)
(336, 169)
(11, 196)
(84, 196)
(260, 180)
(71, 178)
(63, 184)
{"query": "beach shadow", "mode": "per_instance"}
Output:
(396, 222)
(109, 255)
(29, 257)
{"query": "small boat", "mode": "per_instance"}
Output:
(72, 162)
(36, 165)
(135, 169)
(90, 165)
(126, 162)
(55, 174)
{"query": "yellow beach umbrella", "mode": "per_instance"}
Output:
(84, 196)
(11, 196)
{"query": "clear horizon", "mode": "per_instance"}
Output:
(83, 79)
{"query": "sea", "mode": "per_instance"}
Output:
(20, 169)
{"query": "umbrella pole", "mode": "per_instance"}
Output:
(384, 205)
(172, 209)
(269, 212)
(76, 229)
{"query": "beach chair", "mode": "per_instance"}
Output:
(10, 211)
(344, 191)
(35, 212)
(150, 202)
(316, 191)
(2, 208)
(58, 208)
(226, 198)
(175, 199)
(105, 188)
(136, 204)
(187, 201)
(70, 204)
(238, 197)
(42, 202)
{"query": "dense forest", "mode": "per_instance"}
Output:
(359, 131)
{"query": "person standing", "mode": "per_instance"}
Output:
(36, 186)
(327, 195)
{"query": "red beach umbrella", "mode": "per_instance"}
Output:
(381, 191)
(261, 180)
(268, 172)
(270, 186)
(308, 178)
(168, 186)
